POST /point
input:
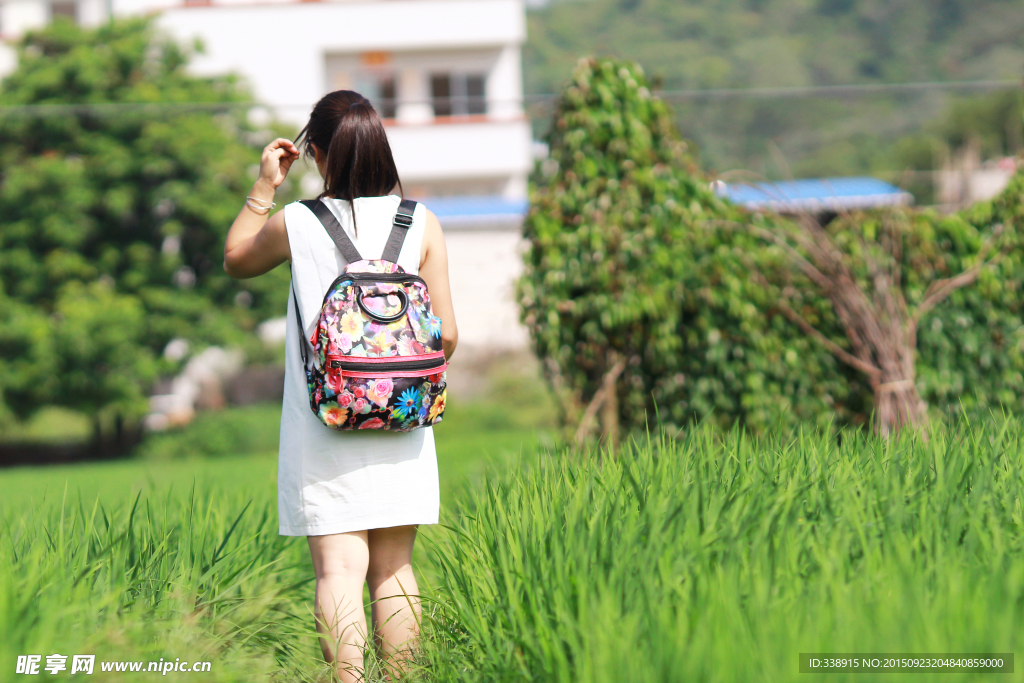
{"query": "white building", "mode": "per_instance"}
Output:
(445, 75)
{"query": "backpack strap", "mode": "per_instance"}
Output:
(302, 331)
(399, 230)
(334, 229)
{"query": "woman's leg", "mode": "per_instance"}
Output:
(393, 591)
(340, 562)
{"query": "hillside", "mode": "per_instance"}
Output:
(711, 44)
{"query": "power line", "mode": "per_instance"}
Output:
(119, 107)
(537, 98)
(827, 90)
(815, 90)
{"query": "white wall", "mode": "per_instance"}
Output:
(18, 16)
(92, 12)
(412, 69)
(8, 59)
(483, 267)
(505, 85)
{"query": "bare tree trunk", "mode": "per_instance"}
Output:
(610, 409)
(119, 432)
(897, 403)
(97, 437)
(605, 400)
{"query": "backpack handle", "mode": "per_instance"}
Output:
(386, 319)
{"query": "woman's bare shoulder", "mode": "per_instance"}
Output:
(433, 237)
(432, 221)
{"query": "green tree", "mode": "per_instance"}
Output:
(119, 176)
(638, 305)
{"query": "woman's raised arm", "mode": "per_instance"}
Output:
(254, 244)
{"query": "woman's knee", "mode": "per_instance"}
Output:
(390, 553)
(381, 572)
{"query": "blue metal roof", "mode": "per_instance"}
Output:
(479, 213)
(446, 207)
(794, 196)
(825, 194)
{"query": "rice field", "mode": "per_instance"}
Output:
(712, 557)
(707, 557)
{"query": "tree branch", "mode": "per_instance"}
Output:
(806, 266)
(810, 330)
(838, 351)
(940, 289)
(607, 383)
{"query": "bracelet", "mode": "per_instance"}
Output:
(258, 209)
(264, 202)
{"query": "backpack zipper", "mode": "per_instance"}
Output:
(389, 372)
(383, 277)
(394, 374)
(433, 361)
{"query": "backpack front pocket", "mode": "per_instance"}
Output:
(396, 393)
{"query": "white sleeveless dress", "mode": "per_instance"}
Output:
(331, 482)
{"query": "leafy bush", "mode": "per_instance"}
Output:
(601, 278)
(233, 431)
(942, 293)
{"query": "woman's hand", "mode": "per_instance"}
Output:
(275, 162)
(255, 244)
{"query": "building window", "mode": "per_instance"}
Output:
(63, 8)
(387, 98)
(380, 90)
(458, 94)
(476, 101)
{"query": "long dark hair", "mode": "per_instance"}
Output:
(346, 127)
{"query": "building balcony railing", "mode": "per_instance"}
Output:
(462, 149)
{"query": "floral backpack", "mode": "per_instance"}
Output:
(377, 359)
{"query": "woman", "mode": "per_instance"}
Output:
(358, 497)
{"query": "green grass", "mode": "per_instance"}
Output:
(718, 558)
(252, 429)
(49, 425)
(707, 558)
(472, 435)
(197, 577)
(175, 554)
